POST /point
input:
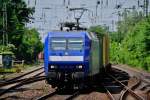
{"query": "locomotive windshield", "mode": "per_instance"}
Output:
(58, 44)
(66, 44)
(75, 44)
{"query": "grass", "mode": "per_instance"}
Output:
(17, 68)
(10, 70)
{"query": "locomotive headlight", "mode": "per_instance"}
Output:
(52, 67)
(80, 66)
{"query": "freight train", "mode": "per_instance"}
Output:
(74, 57)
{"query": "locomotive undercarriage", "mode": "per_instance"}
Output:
(71, 78)
(74, 80)
(67, 79)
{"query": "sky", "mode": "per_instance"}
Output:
(50, 13)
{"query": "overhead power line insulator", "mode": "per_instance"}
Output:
(98, 2)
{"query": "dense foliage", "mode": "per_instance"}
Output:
(24, 43)
(134, 47)
(99, 30)
(31, 45)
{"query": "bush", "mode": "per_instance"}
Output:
(8, 48)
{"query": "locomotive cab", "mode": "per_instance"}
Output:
(66, 57)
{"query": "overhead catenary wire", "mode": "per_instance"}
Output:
(63, 14)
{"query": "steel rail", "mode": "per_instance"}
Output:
(110, 95)
(73, 95)
(44, 97)
(144, 87)
(128, 89)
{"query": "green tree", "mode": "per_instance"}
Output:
(99, 30)
(26, 43)
(30, 46)
(134, 49)
(127, 23)
(137, 45)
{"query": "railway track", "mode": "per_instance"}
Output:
(110, 96)
(127, 89)
(125, 92)
(141, 75)
(56, 93)
(76, 94)
(46, 96)
(24, 82)
(20, 77)
(20, 82)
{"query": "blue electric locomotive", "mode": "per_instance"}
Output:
(74, 56)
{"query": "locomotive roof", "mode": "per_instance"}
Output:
(67, 33)
(90, 35)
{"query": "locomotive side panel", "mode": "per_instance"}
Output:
(101, 65)
(95, 55)
(46, 55)
(94, 68)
